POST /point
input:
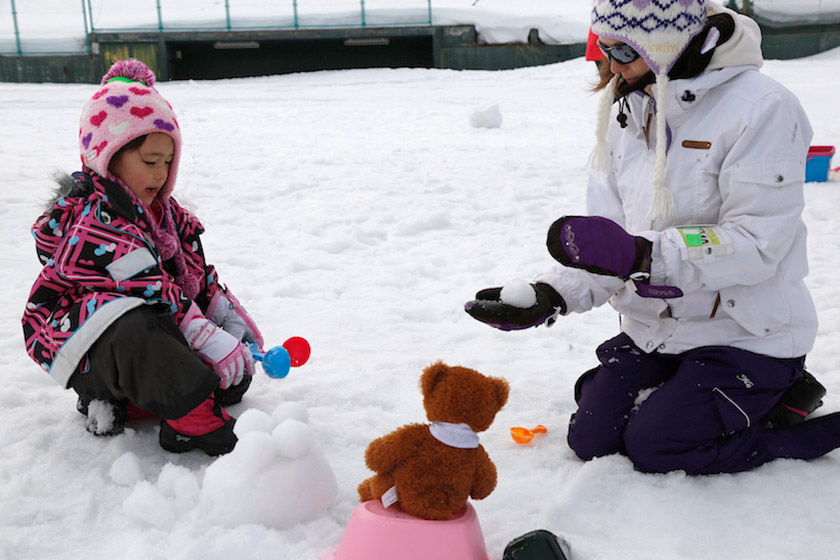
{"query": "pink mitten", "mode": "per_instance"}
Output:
(230, 359)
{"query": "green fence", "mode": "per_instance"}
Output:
(62, 26)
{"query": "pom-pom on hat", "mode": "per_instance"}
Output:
(659, 30)
(125, 108)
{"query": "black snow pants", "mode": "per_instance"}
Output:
(143, 358)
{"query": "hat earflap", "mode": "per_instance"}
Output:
(599, 158)
(662, 201)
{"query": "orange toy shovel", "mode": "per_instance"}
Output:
(524, 435)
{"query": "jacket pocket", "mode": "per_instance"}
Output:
(732, 415)
(693, 305)
(774, 173)
(760, 309)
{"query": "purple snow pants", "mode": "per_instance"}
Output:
(700, 411)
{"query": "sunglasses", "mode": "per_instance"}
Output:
(623, 54)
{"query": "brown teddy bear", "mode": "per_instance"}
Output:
(436, 467)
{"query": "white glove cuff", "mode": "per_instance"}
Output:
(198, 332)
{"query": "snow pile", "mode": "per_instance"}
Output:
(125, 471)
(50, 26)
(488, 117)
(46, 26)
(502, 21)
(160, 505)
(276, 476)
(797, 12)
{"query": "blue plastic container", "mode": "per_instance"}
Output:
(817, 164)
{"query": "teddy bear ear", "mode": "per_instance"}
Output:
(502, 389)
(432, 375)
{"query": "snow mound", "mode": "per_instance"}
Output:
(276, 476)
(487, 117)
(160, 505)
(125, 471)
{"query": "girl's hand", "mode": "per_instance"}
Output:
(229, 358)
(226, 311)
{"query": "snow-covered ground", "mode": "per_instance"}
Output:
(59, 25)
(387, 205)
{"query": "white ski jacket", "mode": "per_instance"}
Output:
(738, 143)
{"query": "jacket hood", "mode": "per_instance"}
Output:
(743, 48)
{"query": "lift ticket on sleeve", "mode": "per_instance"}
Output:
(706, 242)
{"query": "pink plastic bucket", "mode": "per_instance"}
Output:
(376, 533)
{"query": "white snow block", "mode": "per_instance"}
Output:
(277, 476)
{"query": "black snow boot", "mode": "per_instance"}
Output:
(104, 417)
(207, 427)
(215, 443)
(233, 395)
(800, 400)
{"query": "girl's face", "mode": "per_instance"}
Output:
(630, 72)
(145, 170)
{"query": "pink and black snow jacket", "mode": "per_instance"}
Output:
(99, 262)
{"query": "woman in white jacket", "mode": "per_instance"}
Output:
(695, 237)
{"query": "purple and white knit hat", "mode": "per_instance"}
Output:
(659, 30)
(125, 108)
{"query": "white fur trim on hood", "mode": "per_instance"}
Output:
(743, 48)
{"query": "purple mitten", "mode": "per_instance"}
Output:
(601, 246)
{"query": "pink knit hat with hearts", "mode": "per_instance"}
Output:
(125, 108)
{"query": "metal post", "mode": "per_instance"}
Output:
(90, 15)
(294, 8)
(362, 3)
(160, 17)
(429, 3)
(227, 14)
(17, 32)
(748, 7)
(87, 36)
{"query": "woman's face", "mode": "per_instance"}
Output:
(630, 72)
(146, 169)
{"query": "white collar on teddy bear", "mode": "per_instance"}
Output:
(454, 435)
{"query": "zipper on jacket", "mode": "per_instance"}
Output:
(715, 308)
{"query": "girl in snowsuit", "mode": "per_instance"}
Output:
(695, 237)
(126, 311)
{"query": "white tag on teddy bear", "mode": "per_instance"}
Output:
(389, 498)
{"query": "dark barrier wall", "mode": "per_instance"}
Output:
(210, 55)
(65, 69)
(795, 42)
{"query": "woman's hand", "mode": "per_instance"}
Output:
(489, 308)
